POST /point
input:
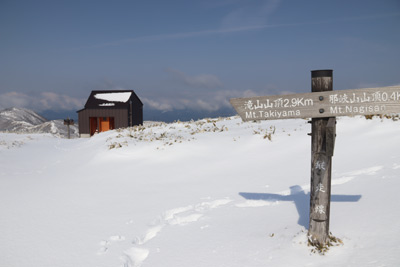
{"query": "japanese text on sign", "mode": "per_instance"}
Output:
(369, 101)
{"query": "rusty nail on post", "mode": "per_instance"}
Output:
(321, 98)
(321, 110)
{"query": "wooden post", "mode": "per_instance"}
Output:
(322, 146)
(69, 135)
(68, 122)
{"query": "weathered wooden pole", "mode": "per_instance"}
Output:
(68, 122)
(322, 145)
(69, 135)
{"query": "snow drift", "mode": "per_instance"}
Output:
(215, 192)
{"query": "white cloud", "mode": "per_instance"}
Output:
(53, 100)
(160, 105)
(41, 101)
(205, 101)
(14, 99)
(196, 92)
(208, 98)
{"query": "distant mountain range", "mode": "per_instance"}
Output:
(19, 120)
(153, 114)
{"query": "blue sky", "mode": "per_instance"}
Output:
(191, 54)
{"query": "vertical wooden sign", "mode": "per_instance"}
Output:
(322, 146)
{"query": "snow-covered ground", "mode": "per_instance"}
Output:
(216, 192)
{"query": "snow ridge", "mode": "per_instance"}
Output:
(18, 120)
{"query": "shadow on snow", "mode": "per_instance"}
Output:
(300, 199)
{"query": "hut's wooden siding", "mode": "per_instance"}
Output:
(120, 118)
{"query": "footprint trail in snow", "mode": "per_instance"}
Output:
(104, 244)
(136, 255)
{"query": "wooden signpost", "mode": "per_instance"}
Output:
(322, 105)
(68, 122)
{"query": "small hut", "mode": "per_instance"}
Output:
(107, 110)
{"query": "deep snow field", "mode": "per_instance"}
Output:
(215, 192)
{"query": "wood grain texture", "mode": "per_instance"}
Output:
(322, 145)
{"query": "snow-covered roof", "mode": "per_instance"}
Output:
(114, 97)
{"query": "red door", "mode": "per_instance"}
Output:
(93, 125)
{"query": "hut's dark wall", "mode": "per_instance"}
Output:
(120, 118)
(137, 111)
(138, 116)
